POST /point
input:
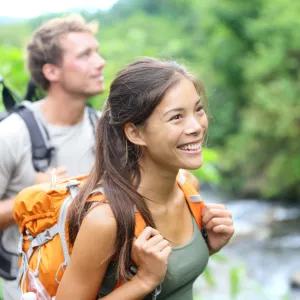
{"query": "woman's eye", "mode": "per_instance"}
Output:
(199, 108)
(176, 117)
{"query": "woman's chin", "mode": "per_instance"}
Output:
(192, 166)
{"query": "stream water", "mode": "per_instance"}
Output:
(266, 243)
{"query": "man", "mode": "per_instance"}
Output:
(63, 60)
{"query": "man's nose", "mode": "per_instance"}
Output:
(100, 61)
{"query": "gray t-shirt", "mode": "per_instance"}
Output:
(74, 150)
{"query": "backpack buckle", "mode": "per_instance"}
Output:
(72, 183)
(72, 186)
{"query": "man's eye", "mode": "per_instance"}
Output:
(85, 54)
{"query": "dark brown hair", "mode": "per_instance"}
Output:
(134, 94)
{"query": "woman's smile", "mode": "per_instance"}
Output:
(191, 148)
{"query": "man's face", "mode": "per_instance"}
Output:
(81, 69)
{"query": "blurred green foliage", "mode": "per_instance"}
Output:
(209, 171)
(246, 53)
(12, 69)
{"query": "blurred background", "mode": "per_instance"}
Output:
(247, 54)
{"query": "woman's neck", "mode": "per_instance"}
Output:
(158, 186)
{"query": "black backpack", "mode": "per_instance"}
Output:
(42, 152)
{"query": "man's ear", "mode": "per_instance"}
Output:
(51, 72)
(134, 135)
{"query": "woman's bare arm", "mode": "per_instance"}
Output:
(86, 270)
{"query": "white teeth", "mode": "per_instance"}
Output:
(190, 147)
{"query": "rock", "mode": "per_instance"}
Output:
(244, 230)
(295, 280)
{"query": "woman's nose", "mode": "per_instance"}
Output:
(193, 126)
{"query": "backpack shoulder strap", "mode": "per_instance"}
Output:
(42, 152)
(96, 198)
(193, 198)
(140, 223)
(31, 92)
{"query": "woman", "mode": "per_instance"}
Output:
(153, 125)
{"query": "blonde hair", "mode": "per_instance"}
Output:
(45, 46)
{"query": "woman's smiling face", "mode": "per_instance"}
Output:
(175, 131)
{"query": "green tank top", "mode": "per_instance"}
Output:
(185, 264)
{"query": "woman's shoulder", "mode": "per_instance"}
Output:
(99, 219)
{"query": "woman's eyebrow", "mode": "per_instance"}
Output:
(180, 109)
(177, 109)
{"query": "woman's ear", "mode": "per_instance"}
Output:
(134, 135)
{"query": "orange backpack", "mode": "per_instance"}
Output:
(41, 213)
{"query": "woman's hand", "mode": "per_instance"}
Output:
(218, 223)
(150, 253)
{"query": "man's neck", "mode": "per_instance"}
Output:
(62, 110)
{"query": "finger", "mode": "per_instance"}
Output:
(224, 229)
(160, 246)
(215, 212)
(62, 176)
(152, 241)
(146, 234)
(165, 252)
(218, 221)
(214, 205)
(61, 170)
(42, 177)
(208, 206)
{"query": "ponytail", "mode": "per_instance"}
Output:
(118, 157)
